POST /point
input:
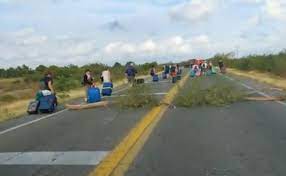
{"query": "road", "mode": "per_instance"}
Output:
(67, 142)
(245, 138)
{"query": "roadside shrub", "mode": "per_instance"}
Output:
(32, 78)
(65, 84)
(136, 97)
(274, 63)
(217, 94)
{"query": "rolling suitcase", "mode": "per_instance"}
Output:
(107, 89)
(139, 81)
(155, 78)
(47, 104)
(179, 77)
(93, 95)
(33, 107)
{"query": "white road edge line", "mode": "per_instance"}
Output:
(259, 92)
(53, 158)
(31, 122)
(42, 118)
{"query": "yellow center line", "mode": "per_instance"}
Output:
(118, 160)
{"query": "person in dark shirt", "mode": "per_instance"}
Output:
(87, 81)
(153, 71)
(167, 70)
(48, 82)
(221, 66)
(130, 73)
(87, 78)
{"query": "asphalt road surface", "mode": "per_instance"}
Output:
(67, 142)
(243, 139)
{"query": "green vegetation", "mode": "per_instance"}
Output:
(65, 78)
(202, 92)
(273, 63)
(18, 85)
(136, 97)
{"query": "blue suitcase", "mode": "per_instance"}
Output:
(93, 95)
(107, 89)
(155, 78)
(47, 104)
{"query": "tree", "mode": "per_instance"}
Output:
(41, 68)
(117, 64)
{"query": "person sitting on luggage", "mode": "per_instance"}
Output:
(130, 73)
(106, 76)
(87, 81)
(46, 86)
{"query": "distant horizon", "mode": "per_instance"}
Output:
(138, 63)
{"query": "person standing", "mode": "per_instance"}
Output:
(107, 85)
(130, 73)
(47, 82)
(87, 81)
(173, 73)
(221, 66)
(167, 70)
(153, 71)
(106, 76)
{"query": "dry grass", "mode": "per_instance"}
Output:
(13, 110)
(10, 110)
(267, 78)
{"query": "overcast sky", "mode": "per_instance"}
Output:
(63, 32)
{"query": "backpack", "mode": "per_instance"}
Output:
(130, 71)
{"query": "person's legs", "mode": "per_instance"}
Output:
(132, 80)
(86, 92)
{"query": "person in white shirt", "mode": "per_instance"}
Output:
(106, 76)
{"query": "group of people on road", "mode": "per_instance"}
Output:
(201, 67)
(171, 70)
(198, 68)
(88, 81)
